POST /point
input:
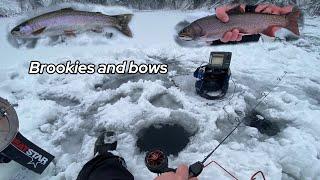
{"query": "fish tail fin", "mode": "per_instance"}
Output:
(123, 21)
(293, 19)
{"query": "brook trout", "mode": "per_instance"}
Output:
(70, 22)
(210, 28)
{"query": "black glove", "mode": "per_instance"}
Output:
(251, 8)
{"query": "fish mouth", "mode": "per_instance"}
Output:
(15, 33)
(185, 37)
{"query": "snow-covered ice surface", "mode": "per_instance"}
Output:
(64, 113)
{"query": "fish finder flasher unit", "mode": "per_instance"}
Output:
(214, 76)
(220, 60)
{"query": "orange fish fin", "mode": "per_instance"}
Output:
(70, 33)
(292, 25)
(39, 31)
(270, 31)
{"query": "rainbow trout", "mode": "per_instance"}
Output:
(210, 28)
(68, 21)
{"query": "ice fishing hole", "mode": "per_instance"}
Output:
(170, 138)
(265, 126)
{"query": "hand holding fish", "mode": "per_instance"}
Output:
(235, 34)
(273, 9)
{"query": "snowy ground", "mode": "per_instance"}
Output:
(64, 113)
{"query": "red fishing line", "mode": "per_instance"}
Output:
(253, 177)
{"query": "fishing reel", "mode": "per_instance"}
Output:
(214, 76)
(157, 162)
(9, 124)
(14, 146)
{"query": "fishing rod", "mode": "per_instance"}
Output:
(279, 79)
(157, 161)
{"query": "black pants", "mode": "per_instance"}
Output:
(105, 167)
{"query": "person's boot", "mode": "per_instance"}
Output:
(106, 142)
